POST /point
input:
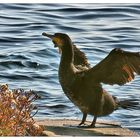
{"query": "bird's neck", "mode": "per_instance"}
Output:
(66, 68)
(67, 54)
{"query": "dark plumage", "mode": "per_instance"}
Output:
(82, 84)
(80, 58)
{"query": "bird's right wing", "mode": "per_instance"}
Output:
(117, 68)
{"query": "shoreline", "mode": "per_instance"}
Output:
(68, 127)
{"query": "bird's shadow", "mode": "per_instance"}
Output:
(101, 125)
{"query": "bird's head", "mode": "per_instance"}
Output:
(60, 40)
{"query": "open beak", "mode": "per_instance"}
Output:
(52, 37)
(48, 35)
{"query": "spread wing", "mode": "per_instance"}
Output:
(80, 58)
(118, 67)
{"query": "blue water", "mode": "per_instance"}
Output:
(29, 61)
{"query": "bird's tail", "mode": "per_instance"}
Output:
(128, 104)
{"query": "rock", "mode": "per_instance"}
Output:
(65, 127)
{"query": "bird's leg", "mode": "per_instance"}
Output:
(83, 119)
(93, 122)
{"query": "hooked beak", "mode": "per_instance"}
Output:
(51, 37)
(48, 35)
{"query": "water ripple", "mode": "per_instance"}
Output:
(28, 60)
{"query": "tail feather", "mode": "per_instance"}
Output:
(128, 104)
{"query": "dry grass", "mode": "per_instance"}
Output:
(15, 113)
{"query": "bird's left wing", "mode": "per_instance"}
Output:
(80, 58)
(118, 67)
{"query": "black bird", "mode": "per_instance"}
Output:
(82, 83)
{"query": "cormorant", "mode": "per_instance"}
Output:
(82, 83)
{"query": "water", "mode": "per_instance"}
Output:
(29, 61)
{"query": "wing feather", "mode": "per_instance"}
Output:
(80, 58)
(119, 67)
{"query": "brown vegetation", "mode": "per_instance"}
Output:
(16, 118)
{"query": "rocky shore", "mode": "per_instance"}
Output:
(66, 127)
